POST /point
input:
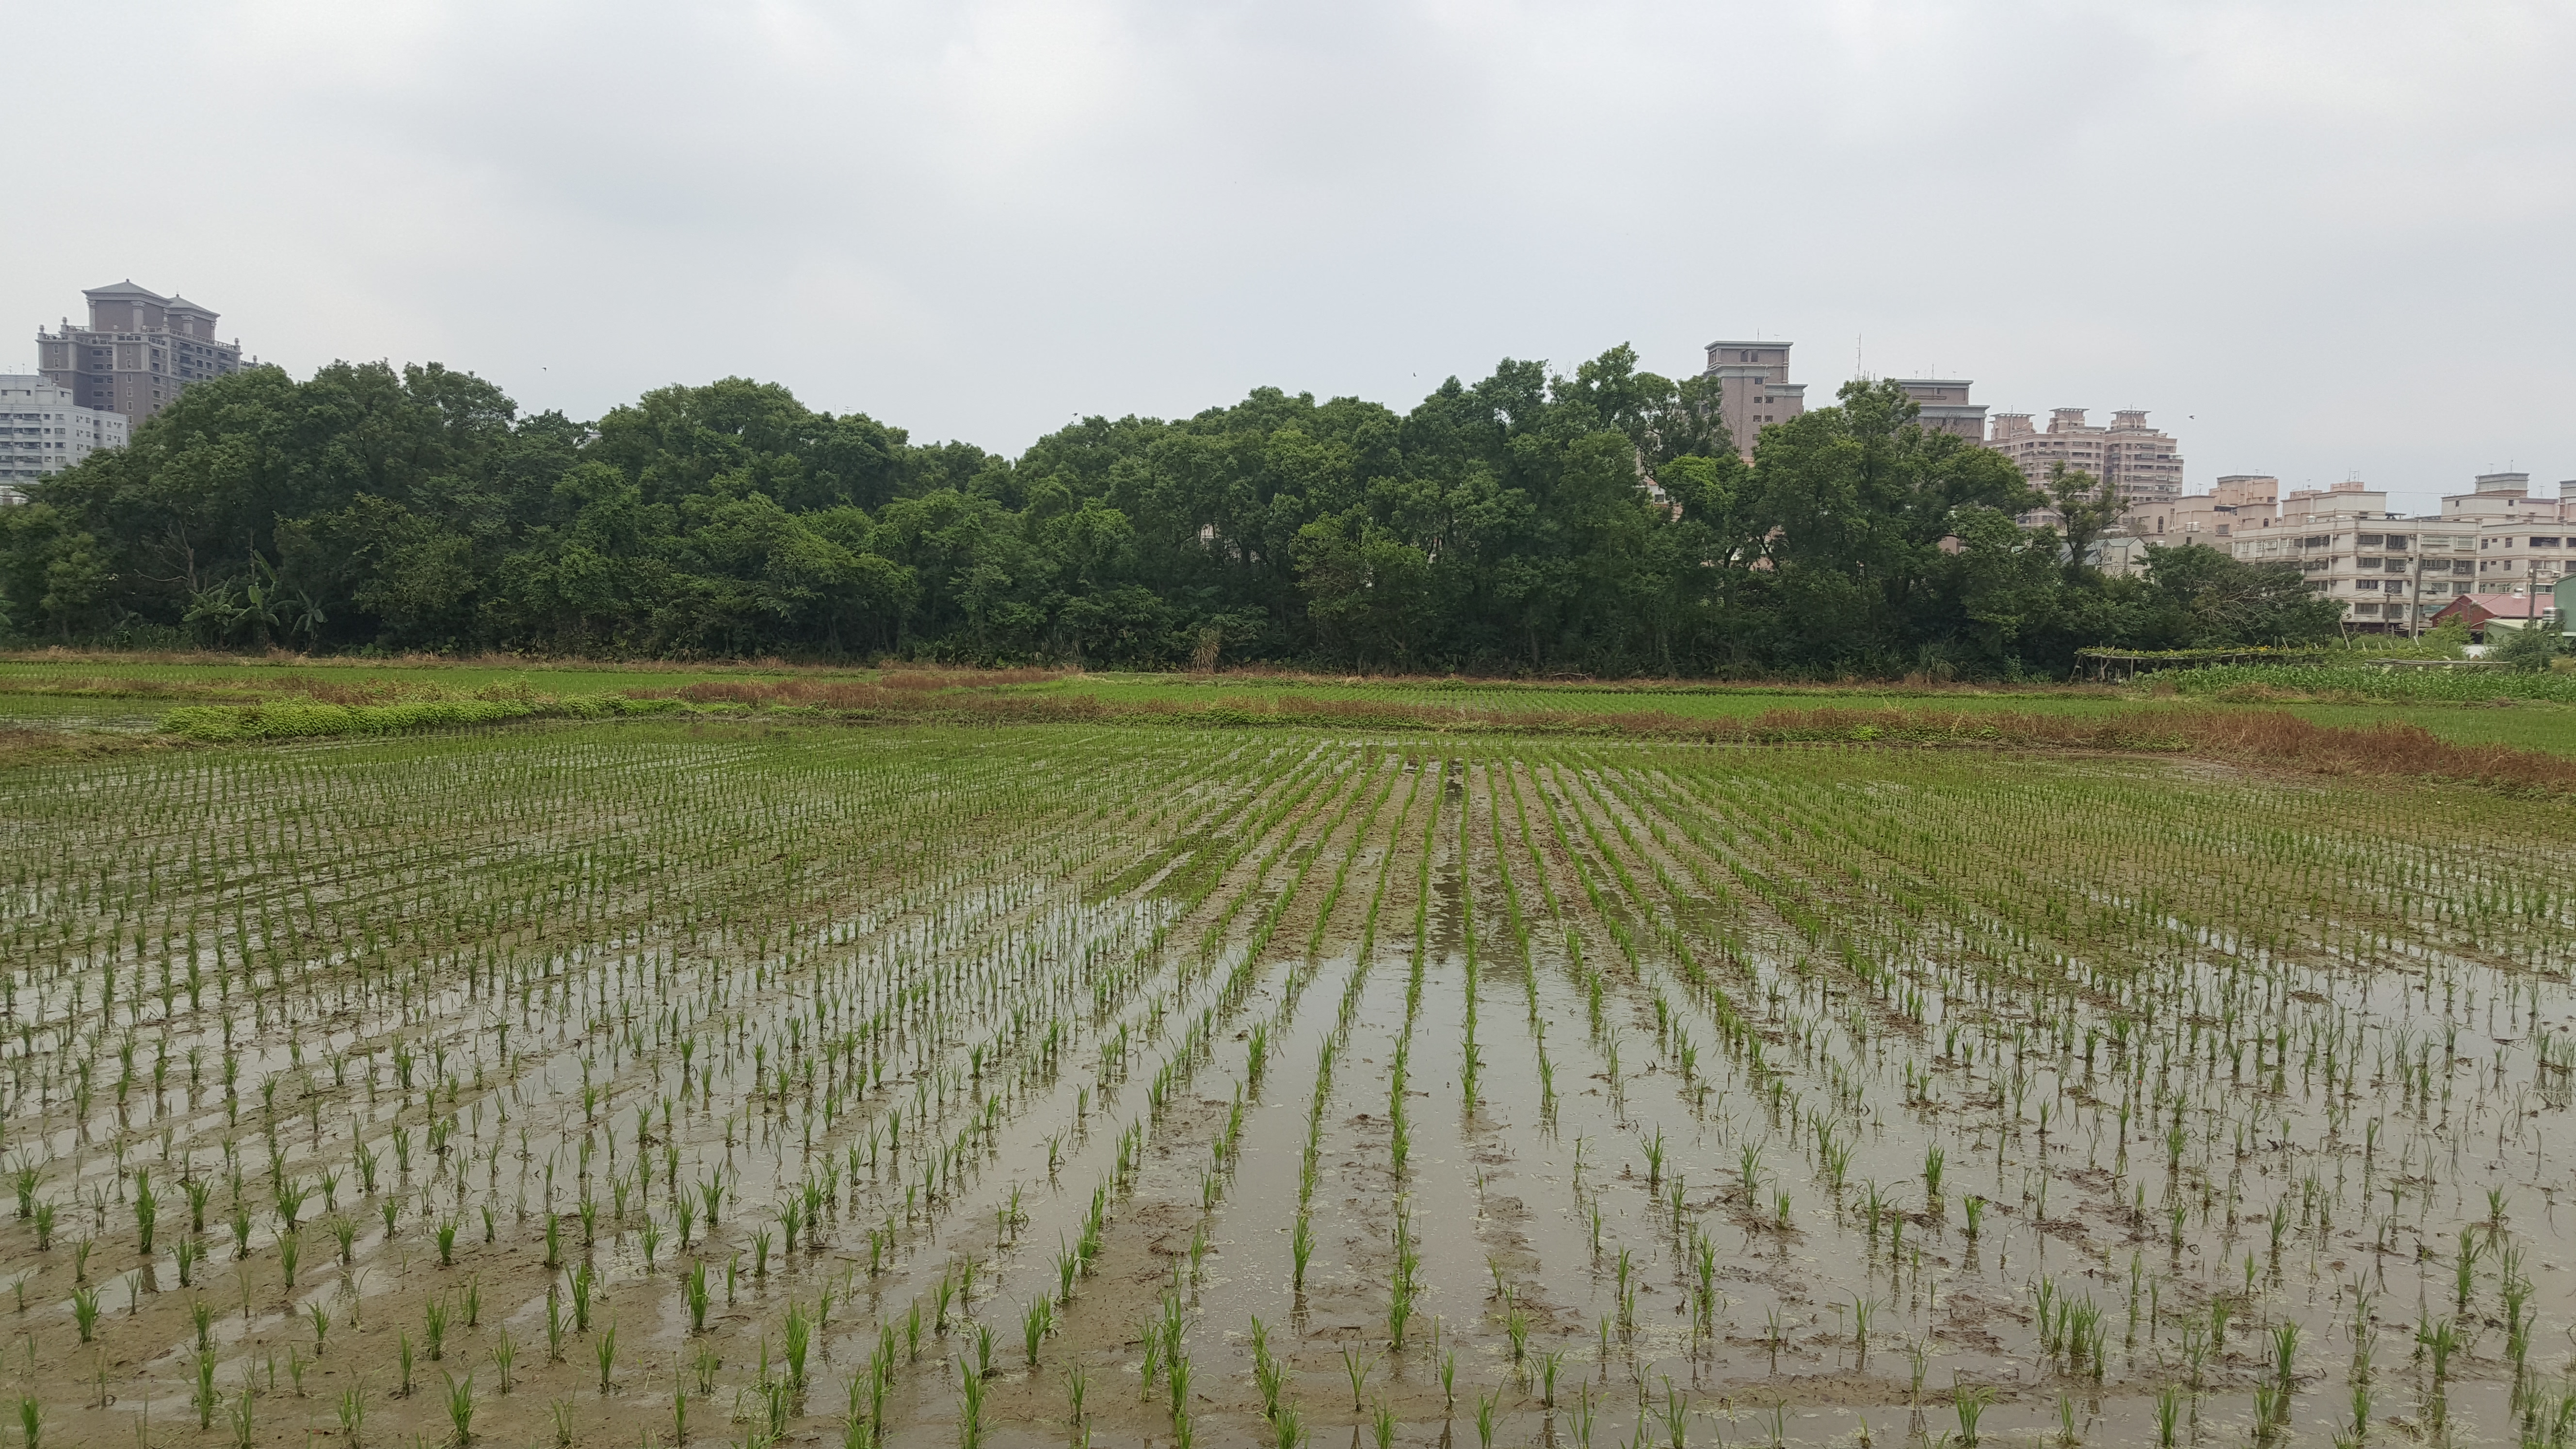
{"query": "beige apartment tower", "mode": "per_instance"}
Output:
(139, 351)
(1754, 389)
(1942, 406)
(2143, 465)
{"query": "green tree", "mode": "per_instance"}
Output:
(2207, 599)
(2086, 509)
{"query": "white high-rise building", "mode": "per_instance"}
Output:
(43, 431)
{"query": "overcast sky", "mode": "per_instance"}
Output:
(2314, 239)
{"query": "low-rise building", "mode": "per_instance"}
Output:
(2120, 555)
(2479, 612)
(43, 431)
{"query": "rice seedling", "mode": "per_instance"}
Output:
(239, 1419)
(799, 1335)
(693, 1290)
(604, 1348)
(1035, 1325)
(460, 1407)
(1970, 1402)
(2439, 1340)
(351, 1411)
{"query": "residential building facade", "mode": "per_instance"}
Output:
(138, 353)
(2237, 503)
(43, 431)
(2390, 573)
(2143, 465)
(2526, 539)
(1754, 389)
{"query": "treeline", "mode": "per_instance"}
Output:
(1600, 524)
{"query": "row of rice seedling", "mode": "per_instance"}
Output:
(745, 1084)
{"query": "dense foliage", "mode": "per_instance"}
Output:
(1599, 523)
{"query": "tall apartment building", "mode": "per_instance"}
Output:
(2141, 463)
(139, 351)
(1754, 389)
(1944, 407)
(43, 431)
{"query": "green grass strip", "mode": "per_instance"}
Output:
(221, 724)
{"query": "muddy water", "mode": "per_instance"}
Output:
(1824, 967)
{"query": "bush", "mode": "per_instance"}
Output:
(2471, 685)
(2529, 650)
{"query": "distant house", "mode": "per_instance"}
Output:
(2502, 611)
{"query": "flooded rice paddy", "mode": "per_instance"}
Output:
(655, 1085)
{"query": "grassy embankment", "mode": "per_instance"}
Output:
(2455, 725)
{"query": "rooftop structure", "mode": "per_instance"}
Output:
(1944, 406)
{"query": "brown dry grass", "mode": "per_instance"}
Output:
(20, 746)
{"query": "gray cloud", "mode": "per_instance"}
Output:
(2313, 239)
